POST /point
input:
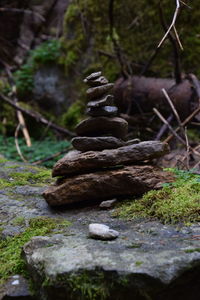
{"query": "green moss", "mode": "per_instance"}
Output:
(192, 250)
(73, 115)
(138, 263)
(47, 52)
(11, 261)
(41, 177)
(87, 286)
(176, 202)
(20, 221)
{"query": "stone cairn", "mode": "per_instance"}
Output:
(104, 165)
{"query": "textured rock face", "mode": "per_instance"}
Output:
(96, 143)
(149, 260)
(116, 127)
(137, 265)
(128, 181)
(93, 160)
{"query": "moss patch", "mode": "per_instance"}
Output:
(175, 202)
(11, 261)
(38, 178)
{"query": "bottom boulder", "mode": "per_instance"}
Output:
(126, 181)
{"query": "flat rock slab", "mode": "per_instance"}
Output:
(127, 181)
(94, 160)
(98, 126)
(99, 91)
(148, 260)
(145, 262)
(96, 143)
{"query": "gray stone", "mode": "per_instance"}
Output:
(160, 261)
(104, 111)
(16, 287)
(96, 143)
(94, 160)
(108, 204)
(92, 76)
(135, 264)
(96, 92)
(102, 232)
(107, 100)
(97, 82)
(116, 127)
(128, 181)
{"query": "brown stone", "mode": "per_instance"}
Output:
(128, 181)
(94, 160)
(107, 100)
(85, 143)
(95, 92)
(105, 111)
(98, 126)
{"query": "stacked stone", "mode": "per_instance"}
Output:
(102, 130)
(104, 165)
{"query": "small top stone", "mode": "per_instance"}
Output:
(92, 76)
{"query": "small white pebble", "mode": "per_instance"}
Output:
(102, 232)
(15, 282)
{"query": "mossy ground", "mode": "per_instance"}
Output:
(37, 177)
(11, 261)
(175, 202)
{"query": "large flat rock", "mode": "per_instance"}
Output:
(149, 260)
(127, 181)
(94, 160)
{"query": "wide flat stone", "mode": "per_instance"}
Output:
(102, 185)
(106, 111)
(107, 100)
(98, 126)
(94, 160)
(84, 143)
(96, 92)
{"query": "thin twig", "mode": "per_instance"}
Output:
(17, 144)
(185, 122)
(26, 11)
(172, 24)
(37, 117)
(164, 128)
(168, 125)
(177, 63)
(173, 109)
(38, 162)
(187, 150)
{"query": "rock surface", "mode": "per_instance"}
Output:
(102, 185)
(149, 260)
(99, 91)
(102, 111)
(94, 160)
(108, 204)
(116, 127)
(102, 232)
(96, 143)
(107, 100)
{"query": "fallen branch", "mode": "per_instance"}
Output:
(185, 122)
(37, 117)
(17, 144)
